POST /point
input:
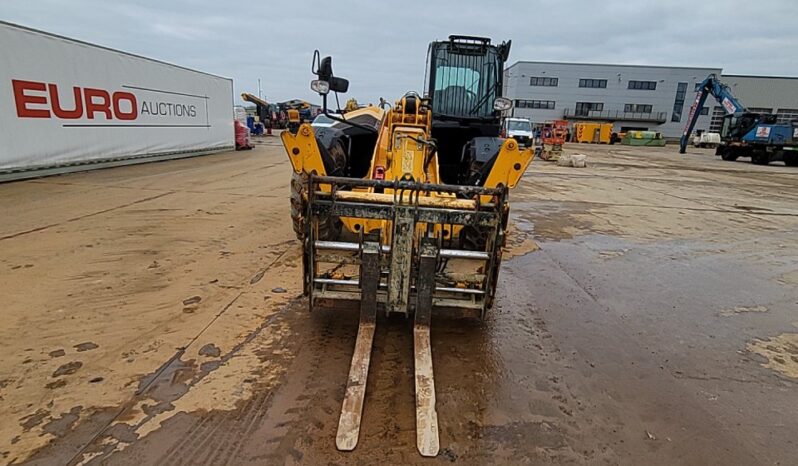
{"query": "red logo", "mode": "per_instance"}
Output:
(88, 102)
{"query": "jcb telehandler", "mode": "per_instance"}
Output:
(405, 208)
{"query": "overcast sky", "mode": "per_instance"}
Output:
(382, 48)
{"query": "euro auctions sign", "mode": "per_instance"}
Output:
(65, 102)
(44, 100)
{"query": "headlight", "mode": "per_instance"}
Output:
(322, 87)
(502, 103)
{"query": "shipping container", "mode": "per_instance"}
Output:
(67, 105)
(593, 133)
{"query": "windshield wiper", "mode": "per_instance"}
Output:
(484, 98)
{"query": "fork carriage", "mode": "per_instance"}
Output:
(451, 240)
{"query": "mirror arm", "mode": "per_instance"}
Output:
(316, 63)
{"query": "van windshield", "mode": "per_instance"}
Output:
(518, 125)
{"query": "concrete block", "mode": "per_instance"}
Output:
(565, 160)
(573, 160)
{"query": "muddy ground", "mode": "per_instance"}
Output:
(646, 314)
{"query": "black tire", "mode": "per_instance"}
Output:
(759, 158)
(791, 160)
(728, 156)
(329, 228)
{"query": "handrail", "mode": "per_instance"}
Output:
(616, 115)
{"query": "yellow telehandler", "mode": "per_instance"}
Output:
(404, 208)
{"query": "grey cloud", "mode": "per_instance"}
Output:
(381, 47)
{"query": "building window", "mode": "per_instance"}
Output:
(638, 108)
(540, 104)
(760, 110)
(678, 102)
(643, 85)
(541, 81)
(786, 115)
(584, 108)
(598, 83)
(705, 111)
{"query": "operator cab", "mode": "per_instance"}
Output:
(737, 125)
(464, 81)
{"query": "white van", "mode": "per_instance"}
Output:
(705, 139)
(519, 129)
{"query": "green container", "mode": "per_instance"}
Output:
(643, 138)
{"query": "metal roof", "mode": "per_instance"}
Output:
(626, 65)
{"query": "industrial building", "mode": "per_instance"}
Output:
(656, 98)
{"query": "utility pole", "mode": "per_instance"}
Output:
(260, 96)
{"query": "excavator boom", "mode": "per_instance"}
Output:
(721, 92)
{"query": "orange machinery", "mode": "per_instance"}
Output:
(553, 132)
(553, 137)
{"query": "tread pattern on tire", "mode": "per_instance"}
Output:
(329, 228)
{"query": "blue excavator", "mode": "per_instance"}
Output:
(744, 133)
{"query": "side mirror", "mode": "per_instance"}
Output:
(324, 71)
(326, 82)
(502, 103)
(339, 84)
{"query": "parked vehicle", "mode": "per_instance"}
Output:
(552, 138)
(519, 129)
(705, 139)
(412, 201)
(744, 133)
(269, 114)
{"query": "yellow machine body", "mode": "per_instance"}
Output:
(402, 152)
